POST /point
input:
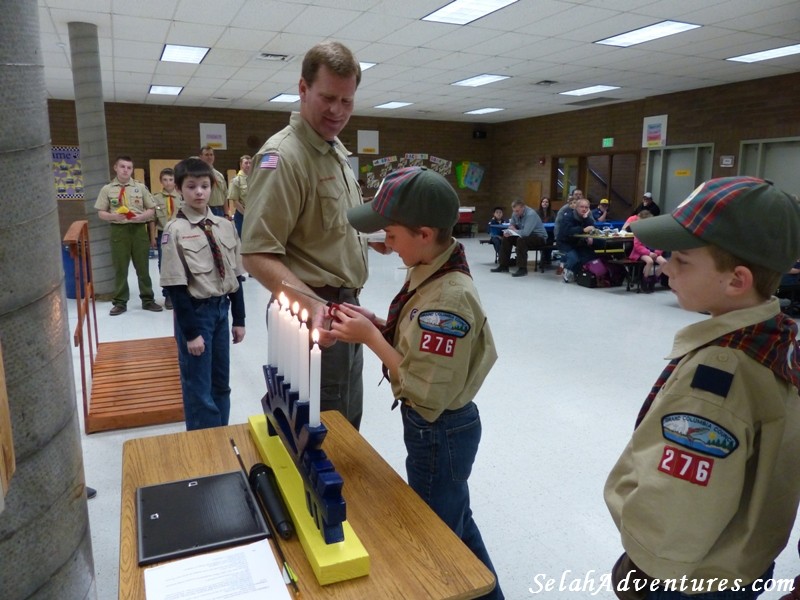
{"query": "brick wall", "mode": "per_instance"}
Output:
(722, 115)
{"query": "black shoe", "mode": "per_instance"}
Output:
(117, 309)
(520, 273)
(168, 303)
(90, 492)
(500, 270)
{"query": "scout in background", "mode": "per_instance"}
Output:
(202, 270)
(708, 486)
(167, 201)
(435, 324)
(237, 193)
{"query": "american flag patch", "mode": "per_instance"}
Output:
(269, 161)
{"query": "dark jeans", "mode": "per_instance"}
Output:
(218, 210)
(521, 245)
(205, 379)
(439, 462)
(577, 256)
(159, 233)
(238, 221)
(745, 594)
(130, 242)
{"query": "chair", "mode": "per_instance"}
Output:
(633, 272)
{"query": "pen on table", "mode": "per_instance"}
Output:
(287, 570)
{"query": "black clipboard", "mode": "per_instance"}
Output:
(190, 516)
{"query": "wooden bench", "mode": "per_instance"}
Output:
(128, 384)
(633, 272)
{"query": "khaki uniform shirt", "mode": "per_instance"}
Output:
(708, 485)
(137, 198)
(187, 259)
(300, 189)
(219, 193)
(238, 190)
(163, 214)
(445, 340)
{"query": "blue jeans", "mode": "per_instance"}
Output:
(205, 379)
(238, 221)
(218, 210)
(576, 257)
(745, 594)
(439, 462)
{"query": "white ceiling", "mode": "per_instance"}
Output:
(531, 41)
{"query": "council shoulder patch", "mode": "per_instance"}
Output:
(697, 433)
(443, 322)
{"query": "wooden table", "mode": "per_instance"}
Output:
(413, 553)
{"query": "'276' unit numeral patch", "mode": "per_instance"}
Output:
(437, 343)
(684, 465)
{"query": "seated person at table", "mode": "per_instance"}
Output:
(647, 204)
(706, 491)
(547, 215)
(497, 219)
(626, 226)
(435, 324)
(653, 259)
(577, 251)
(525, 231)
(600, 214)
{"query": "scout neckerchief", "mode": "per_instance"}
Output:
(771, 343)
(207, 224)
(456, 262)
(121, 198)
(169, 204)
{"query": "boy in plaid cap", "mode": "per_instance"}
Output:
(435, 344)
(706, 491)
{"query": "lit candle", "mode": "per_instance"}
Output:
(304, 356)
(281, 319)
(315, 379)
(294, 347)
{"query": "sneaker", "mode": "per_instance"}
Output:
(500, 270)
(569, 276)
(560, 270)
(117, 309)
(520, 272)
(152, 307)
(168, 303)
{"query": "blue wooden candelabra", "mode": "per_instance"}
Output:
(287, 417)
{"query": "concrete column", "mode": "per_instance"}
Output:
(45, 545)
(91, 118)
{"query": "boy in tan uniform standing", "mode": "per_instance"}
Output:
(706, 491)
(167, 202)
(435, 344)
(128, 206)
(237, 193)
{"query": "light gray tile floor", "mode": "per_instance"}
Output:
(574, 367)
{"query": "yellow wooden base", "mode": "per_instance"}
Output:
(330, 562)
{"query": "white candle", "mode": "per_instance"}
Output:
(281, 350)
(272, 334)
(315, 379)
(304, 356)
(294, 347)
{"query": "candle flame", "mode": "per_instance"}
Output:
(304, 315)
(315, 336)
(283, 299)
(296, 308)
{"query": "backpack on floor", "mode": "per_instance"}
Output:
(586, 279)
(606, 274)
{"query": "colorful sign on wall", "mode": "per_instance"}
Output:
(67, 172)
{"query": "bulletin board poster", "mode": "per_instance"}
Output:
(654, 131)
(214, 135)
(67, 172)
(469, 175)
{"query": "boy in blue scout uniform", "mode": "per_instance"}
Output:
(436, 345)
(202, 270)
(706, 491)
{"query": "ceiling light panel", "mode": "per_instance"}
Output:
(166, 90)
(183, 54)
(767, 54)
(393, 105)
(483, 111)
(461, 12)
(595, 89)
(647, 34)
(479, 80)
(286, 98)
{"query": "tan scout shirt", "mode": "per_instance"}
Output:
(219, 193)
(238, 190)
(187, 258)
(725, 511)
(300, 190)
(137, 198)
(445, 340)
(163, 212)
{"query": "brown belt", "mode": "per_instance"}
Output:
(336, 294)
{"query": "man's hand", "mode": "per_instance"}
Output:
(238, 333)
(321, 321)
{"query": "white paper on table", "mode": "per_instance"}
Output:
(248, 572)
